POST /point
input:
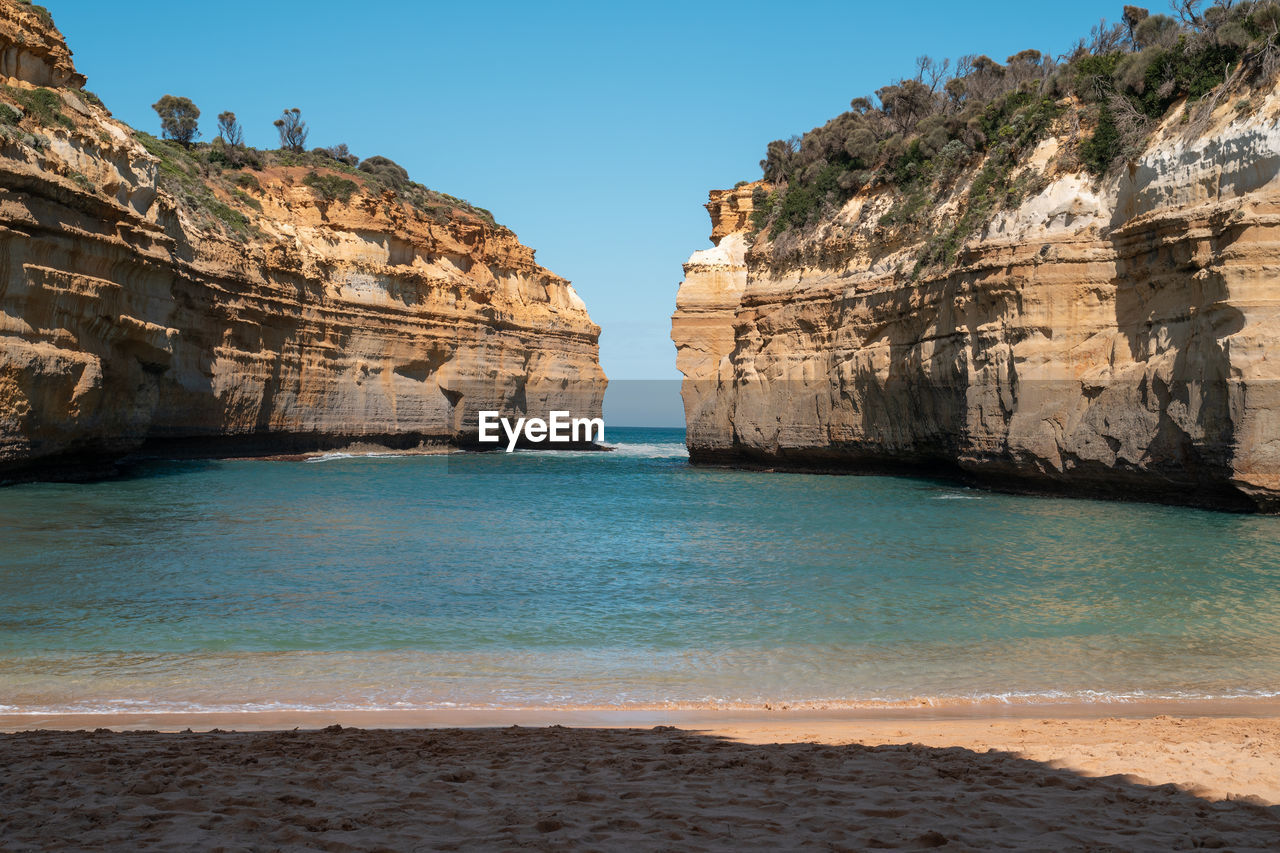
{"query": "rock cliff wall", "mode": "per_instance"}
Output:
(1115, 338)
(241, 310)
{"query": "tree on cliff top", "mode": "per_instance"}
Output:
(1134, 15)
(178, 118)
(229, 129)
(293, 130)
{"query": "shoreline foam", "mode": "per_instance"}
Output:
(260, 719)
(1260, 703)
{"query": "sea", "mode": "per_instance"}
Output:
(626, 579)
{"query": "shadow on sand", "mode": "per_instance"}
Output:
(561, 788)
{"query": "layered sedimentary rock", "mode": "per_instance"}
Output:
(1114, 337)
(129, 316)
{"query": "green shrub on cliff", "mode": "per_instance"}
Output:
(761, 208)
(1104, 145)
(246, 199)
(923, 134)
(235, 221)
(175, 161)
(330, 187)
(185, 174)
(387, 171)
(44, 106)
(1168, 61)
(920, 136)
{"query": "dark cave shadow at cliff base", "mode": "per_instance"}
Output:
(152, 468)
(169, 456)
(573, 788)
(93, 468)
(1108, 485)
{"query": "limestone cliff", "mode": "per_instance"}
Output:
(148, 293)
(1112, 337)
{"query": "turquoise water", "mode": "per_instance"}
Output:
(612, 579)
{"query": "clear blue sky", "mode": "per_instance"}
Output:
(594, 130)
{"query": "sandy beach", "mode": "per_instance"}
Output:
(773, 781)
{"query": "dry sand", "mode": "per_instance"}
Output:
(773, 782)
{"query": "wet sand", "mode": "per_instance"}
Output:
(739, 781)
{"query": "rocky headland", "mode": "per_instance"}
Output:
(203, 300)
(988, 307)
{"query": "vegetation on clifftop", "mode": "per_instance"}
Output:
(189, 161)
(330, 187)
(41, 12)
(179, 118)
(215, 181)
(193, 173)
(920, 135)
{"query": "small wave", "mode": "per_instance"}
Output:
(627, 450)
(331, 457)
(623, 449)
(957, 497)
(653, 450)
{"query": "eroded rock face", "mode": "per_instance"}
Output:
(1114, 339)
(125, 319)
(31, 49)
